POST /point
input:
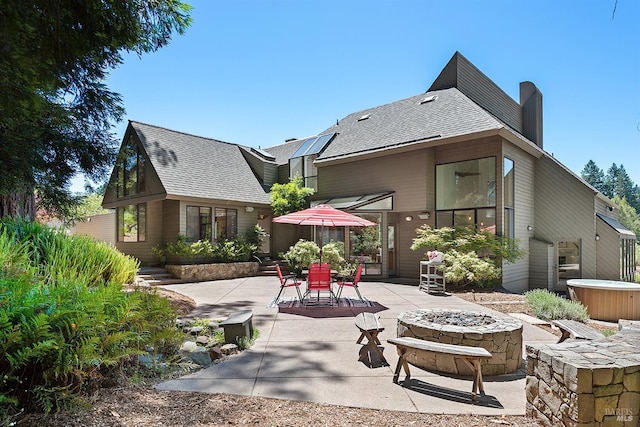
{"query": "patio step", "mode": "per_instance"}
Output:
(268, 268)
(155, 276)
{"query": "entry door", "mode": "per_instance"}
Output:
(391, 258)
(569, 261)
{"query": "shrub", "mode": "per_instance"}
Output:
(65, 323)
(472, 258)
(549, 306)
(240, 249)
(301, 255)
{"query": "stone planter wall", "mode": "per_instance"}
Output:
(201, 272)
(585, 383)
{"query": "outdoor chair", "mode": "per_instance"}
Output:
(319, 280)
(353, 284)
(287, 281)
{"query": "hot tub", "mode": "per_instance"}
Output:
(608, 300)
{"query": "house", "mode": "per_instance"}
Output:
(462, 153)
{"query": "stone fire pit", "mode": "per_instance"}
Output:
(500, 335)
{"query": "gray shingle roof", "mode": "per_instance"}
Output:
(451, 114)
(194, 166)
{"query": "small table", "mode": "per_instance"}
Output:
(369, 326)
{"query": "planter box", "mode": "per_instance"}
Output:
(217, 271)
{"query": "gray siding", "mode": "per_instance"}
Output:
(608, 251)
(406, 173)
(461, 73)
(515, 277)
(564, 209)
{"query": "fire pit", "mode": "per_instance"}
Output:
(500, 335)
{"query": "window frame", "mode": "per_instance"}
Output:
(140, 223)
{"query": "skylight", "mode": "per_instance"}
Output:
(262, 153)
(428, 99)
(312, 145)
(364, 117)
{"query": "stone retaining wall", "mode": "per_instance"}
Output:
(585, 383)
(200, 272)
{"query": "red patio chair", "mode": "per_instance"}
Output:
(353, 284)
(287, 281)
(318, 280)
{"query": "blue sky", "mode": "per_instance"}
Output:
(259, 72)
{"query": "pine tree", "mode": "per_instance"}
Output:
(593, 175)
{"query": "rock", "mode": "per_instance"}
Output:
(229, 349)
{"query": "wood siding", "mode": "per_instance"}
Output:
(461, 73)
(608, 252)
(516, 276)
(564, 209)
(100, 227)
(404, 173)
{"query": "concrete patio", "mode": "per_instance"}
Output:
(311, 354)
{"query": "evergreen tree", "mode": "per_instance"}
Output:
(593, 175)
(55, 111)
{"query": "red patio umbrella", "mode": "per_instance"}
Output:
(323, 215)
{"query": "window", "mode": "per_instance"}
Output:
(508, 186)
(466, 194)
(131, 169)
(627, 259)
(132, 223)
(198, 223)
(226, 224)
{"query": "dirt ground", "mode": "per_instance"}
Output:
(145, 406)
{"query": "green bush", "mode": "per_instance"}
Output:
(548, 306)
(240, 249)
(301, 255)
(65, 323)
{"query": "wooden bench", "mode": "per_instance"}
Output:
(238, 325)
(472, 356)
(576, 330)
(369, 326)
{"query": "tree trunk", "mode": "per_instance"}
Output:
(18, 204)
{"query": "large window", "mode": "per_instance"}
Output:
(132, 223)
(131, 173)
(198, 223)
(508, 186)
(226, 223)
(466, 194)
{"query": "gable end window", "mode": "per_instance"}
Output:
(132, 223)
(131, 169)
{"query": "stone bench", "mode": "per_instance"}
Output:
(576, 330)
(239, 324)
(472, 356)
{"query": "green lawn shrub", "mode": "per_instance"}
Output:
(548, 306)
(66, 325)
(472, 258)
